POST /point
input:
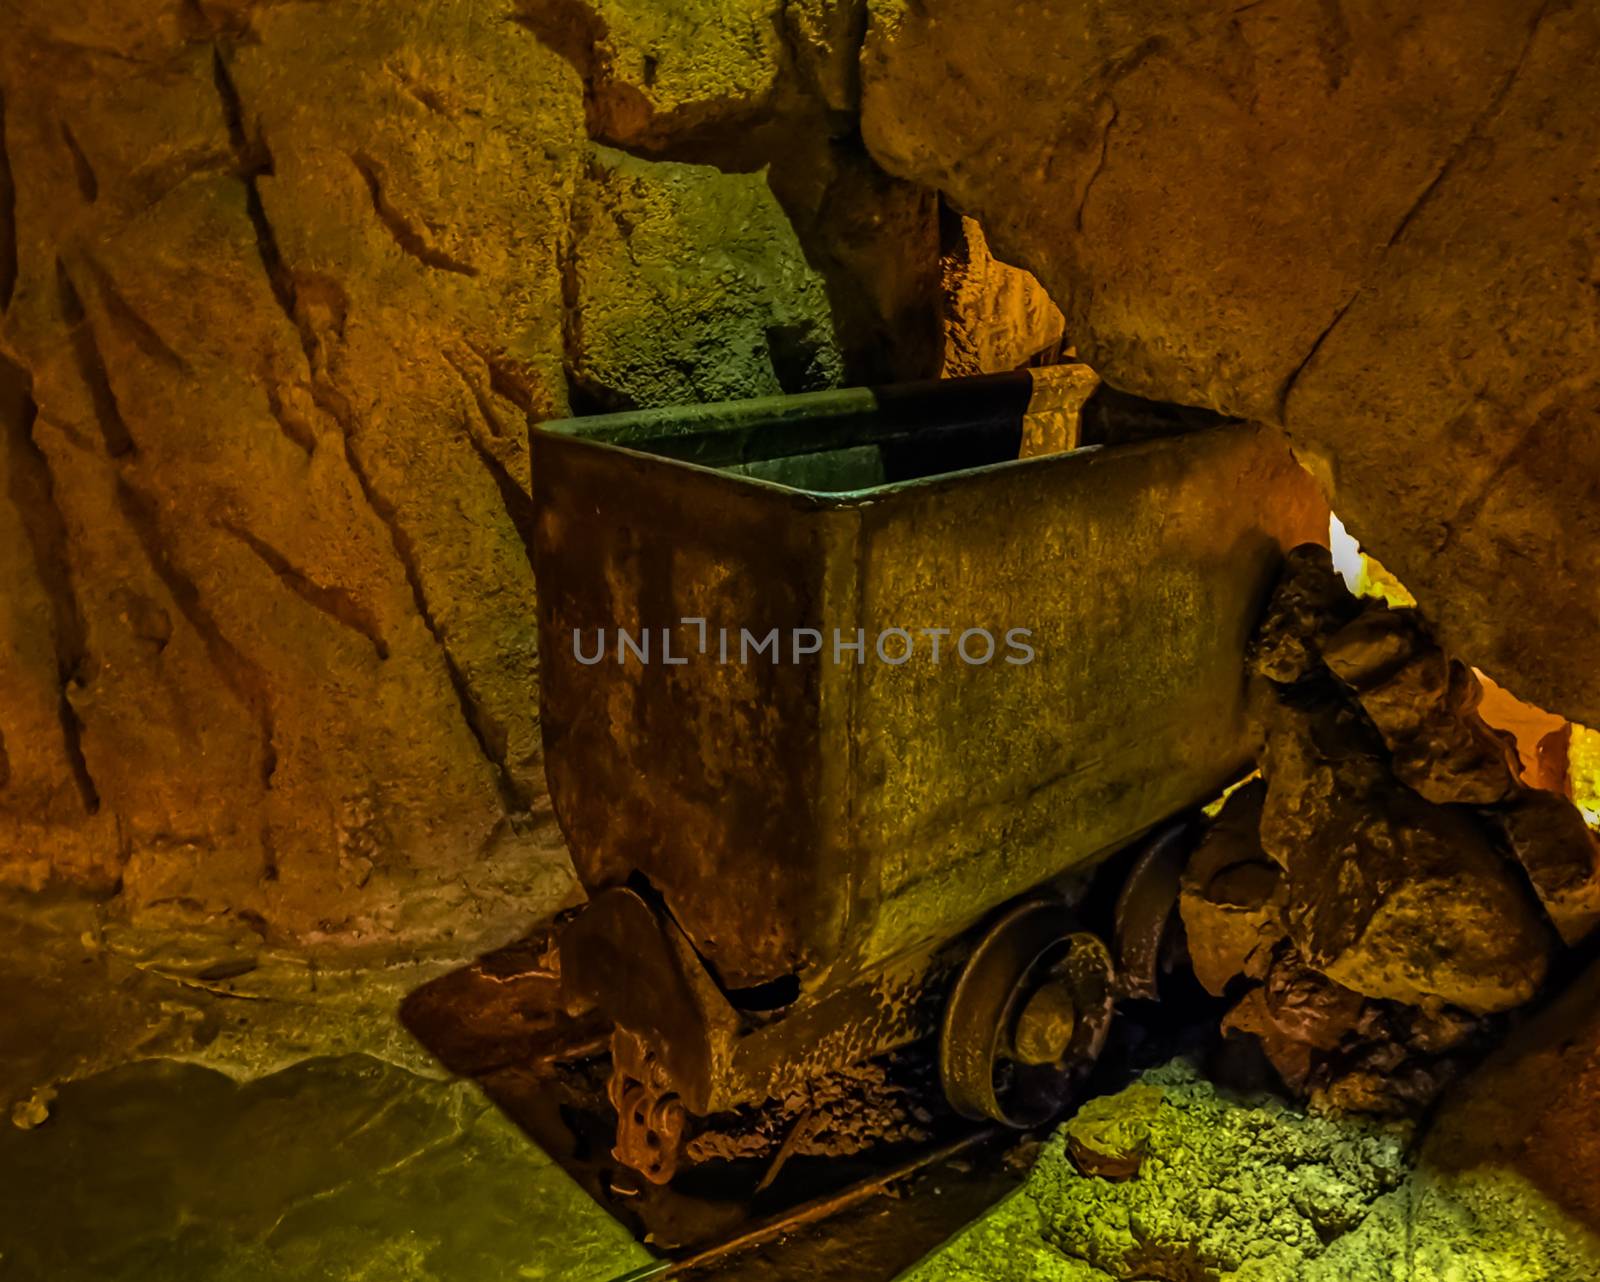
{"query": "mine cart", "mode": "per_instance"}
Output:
(808, 835)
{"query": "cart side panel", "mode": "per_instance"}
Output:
(1140, 571)
(705, 777)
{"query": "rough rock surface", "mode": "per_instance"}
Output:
(1370, 225)
(291, 612)
(1309, 604)
(997, 317)
(1561, 856)
(656, 73)
(82, 992)
(1362, 903)
(280, 288)
(1109, 1136)
(1509, 1161)
(1295, 1013)
(1229, 1188)
(1243, 1189)
(1364, 701)
(1231, 896)
(1388, 894)
(341, 1168)
(1424, 704)
(688, 285)
(770, 86)
(1392, 913)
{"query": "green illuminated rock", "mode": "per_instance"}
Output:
(689, 285)
(341, 1170)
(1247, 1189)
(1228, 1188)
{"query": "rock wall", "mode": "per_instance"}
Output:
(282, 286)
(1370, 223)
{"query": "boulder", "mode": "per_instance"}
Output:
(1390, 895)
(1291, 1060)
(996, 317)
(1232, 1186)
(1296, 1015)
(1424, 704)
(1308, 1007)
(687, 285)
(1560, 855)
(1109, 1135)
(1232, 895)
(1309, 603)
(1371, 225)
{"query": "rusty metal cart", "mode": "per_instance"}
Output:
(799, 857)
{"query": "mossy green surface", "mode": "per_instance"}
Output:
(1250, 1189)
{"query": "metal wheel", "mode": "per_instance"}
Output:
(1147, 908)
(1027, 1017)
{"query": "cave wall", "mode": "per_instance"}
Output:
(1371, 223)
(281, 284)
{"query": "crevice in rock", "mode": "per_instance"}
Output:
(1316, 346)
(31, 490)
(197, 984)
(514, 497)
(296, 430)
(518, 504)
(489, 735)
(506, 380)
(92, 368)
(153, 181)
(269, 850)
(1100, 163)
(583, 397)
(8, 217)
(1141, 53)
(576, 32)
(243, 678)
(201, 21)
(1333, 42)
(1475, 129)
(794, 352)
(72, 742)
(424, 93)
(339, 605)
(1473, 133)
(254, 160)
(126, 317)
(82, 170)
(1529, 442)
(405, 232)
(486, 410)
